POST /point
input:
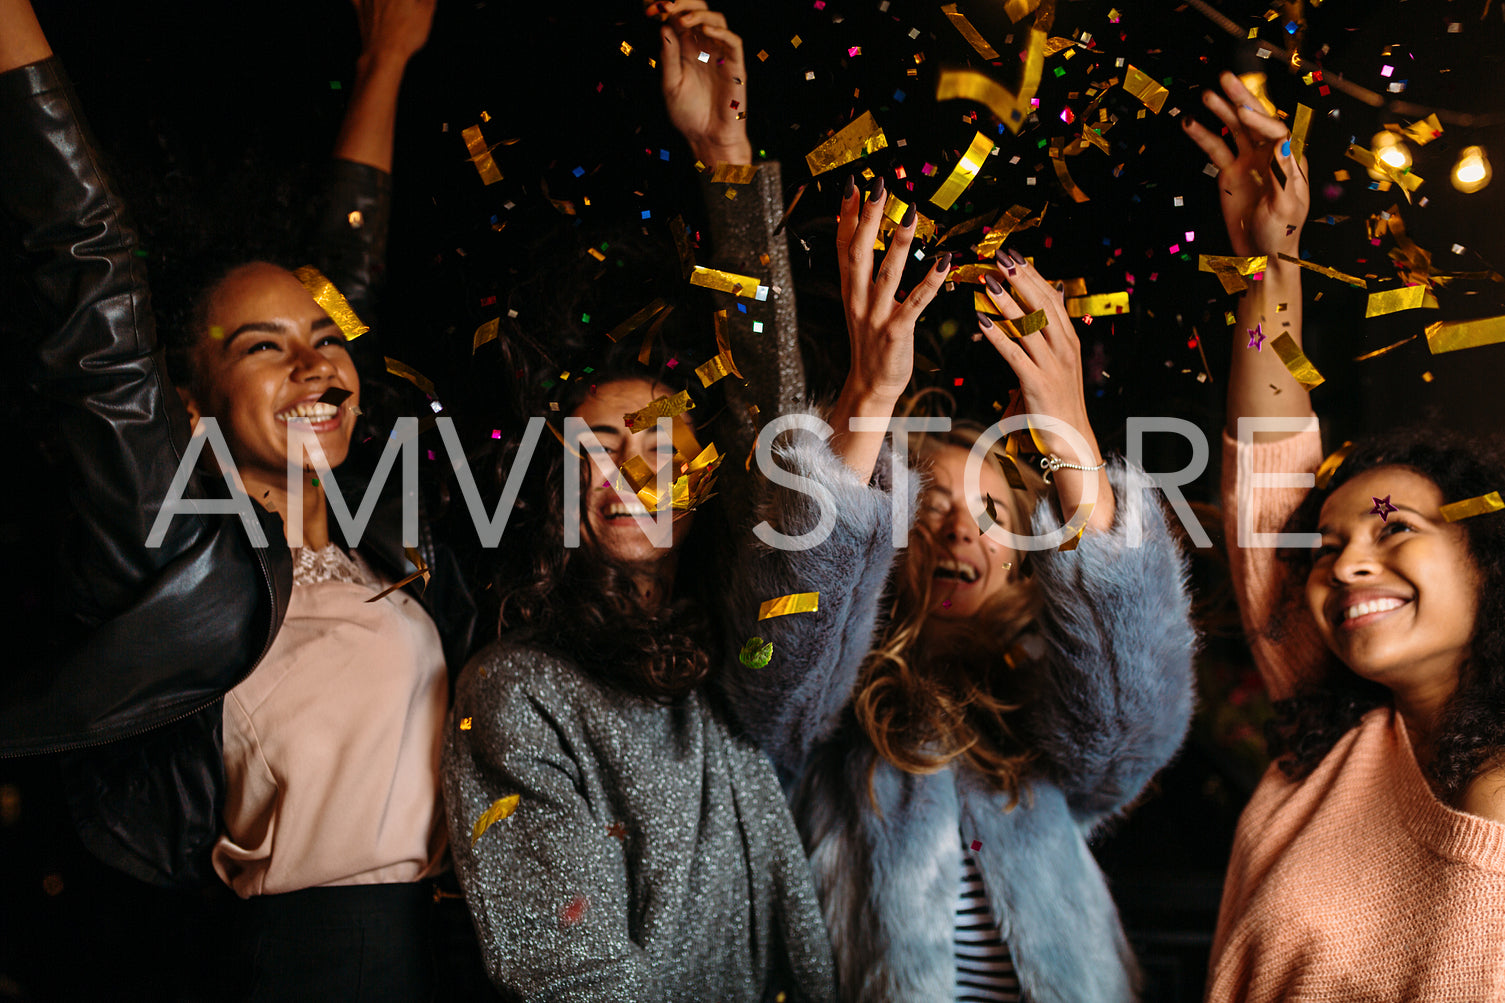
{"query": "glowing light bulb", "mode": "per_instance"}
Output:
(1395, 157)
(1391, 152)
(1472, 171)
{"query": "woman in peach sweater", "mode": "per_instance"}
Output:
(1370, 863)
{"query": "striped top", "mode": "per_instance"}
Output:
(984, 969)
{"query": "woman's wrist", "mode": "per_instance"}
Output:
(712, 153)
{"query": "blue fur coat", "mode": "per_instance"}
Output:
(1114, 702)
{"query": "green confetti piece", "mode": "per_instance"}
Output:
(756, 653)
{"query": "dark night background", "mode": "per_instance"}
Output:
(217, 118)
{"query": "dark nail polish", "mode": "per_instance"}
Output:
(1060, 287)
(982, 319)
(1018, 258)
(876, 192)
(851, 186)
(994, 286)
(944, 265)
(909, 215)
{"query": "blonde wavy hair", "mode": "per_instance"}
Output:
(929, 694)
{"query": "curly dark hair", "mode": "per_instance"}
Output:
(581, 603)
(1471, 733)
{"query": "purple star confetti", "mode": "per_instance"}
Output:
(1382, 508)
(1257, 338)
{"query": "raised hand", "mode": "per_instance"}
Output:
(395, 28)
(880, 328)
(1264, 214)
(1048, 363)
(706, 98)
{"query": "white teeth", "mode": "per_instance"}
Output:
(965, 572)
(309, 410)
(1372, 606)
(618, 508)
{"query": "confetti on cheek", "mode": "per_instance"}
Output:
(500, 809)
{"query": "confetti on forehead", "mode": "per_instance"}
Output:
(1382, 507)
(332, 301)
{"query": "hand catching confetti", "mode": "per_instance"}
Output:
(704, 80)
(1264, 214)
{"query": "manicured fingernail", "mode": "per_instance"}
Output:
(850, 188)
(909, 215)
(1285, 148)
(994, 286)
(982, 319)
(1060, 287)
(1018, 258)
(876, 192)
(944, 265)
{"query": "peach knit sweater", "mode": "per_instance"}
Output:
(1355, 884)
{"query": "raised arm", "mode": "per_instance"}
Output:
(1264, 210)
(21, 38)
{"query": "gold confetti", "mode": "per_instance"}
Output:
(637, 320)
(1424, 131)
(1470, 507)
(646, 351)
(971, 34)
(1331, 273)
(412, 375)
(1403, 177)
(1063, 175)
(488, 331)
(1388, 348)
(893, 214)
(499, 810)
(1451, 335)
(1079, 520)
(1101, 305)
(1296, 362)
(1255, 83)
(465, 724)
(679, 232)
(1017, 10)
(971, 273)
(1055, 45)
(734, 174)
(1016, 219)
(1331, 464)
(1299, 130)
(727, 282)
(1007, 106)
(1395, 300)
(721, 364)
(1145, 87)
(1230, 270)
(858, 138)
(669, 406)
(1032, 322)
(799, 602)
(330, 299)
(480, 155)
(965, 171)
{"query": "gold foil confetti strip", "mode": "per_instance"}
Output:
(727, 282)
(1018, 10)
(1388, 348)
(678, 231)
(1063, 174)
(1331, 273)
(965, 171)
(646, 351)
(1255, 82)
(1413, 262)
(893, 214)
(1299, 128)
(1057, 44)
(1101, 305)
(1470, 507)
(1451, 335)
(1407, 181)
(488, 331)
(799, 602)
(695, 485)
(1008, 107)
(858, 138)
(1016, 219)
(1395, 300)
(1331, 464)
(1145, 87)
(1033, 321)
(642, 480)
(480, 155)
(669, 406)
(499, 810)
(331, 300)
(637, 320)
(715, 368)
(1078, 519)
(1296, 362)
(1424, 131)
(971, 34)
(1230, 270)
(971, 273)
(1074, 287)
(734, 174)
(412, 375)
(724, 344)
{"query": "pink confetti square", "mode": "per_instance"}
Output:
(496, 433)
(1175, 248)
(976, 845)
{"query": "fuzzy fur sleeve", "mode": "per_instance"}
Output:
(1116, 693)
(796, 700)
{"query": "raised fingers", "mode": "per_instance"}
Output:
(921, 295)
(857, 257)
(1217, 151)
(886, 283)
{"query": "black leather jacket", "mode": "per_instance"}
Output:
(144, 642)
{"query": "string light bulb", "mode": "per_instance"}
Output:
(1472, 171)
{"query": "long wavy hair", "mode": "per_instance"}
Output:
(1471, 732)
(929, 694)
(579, 601)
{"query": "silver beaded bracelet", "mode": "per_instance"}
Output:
(1050, 464)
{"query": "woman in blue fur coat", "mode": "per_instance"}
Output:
(947, 778)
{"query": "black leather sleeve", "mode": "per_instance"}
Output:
(152, 633)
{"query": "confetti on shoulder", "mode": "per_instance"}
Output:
(799, 602)
(499, 810)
